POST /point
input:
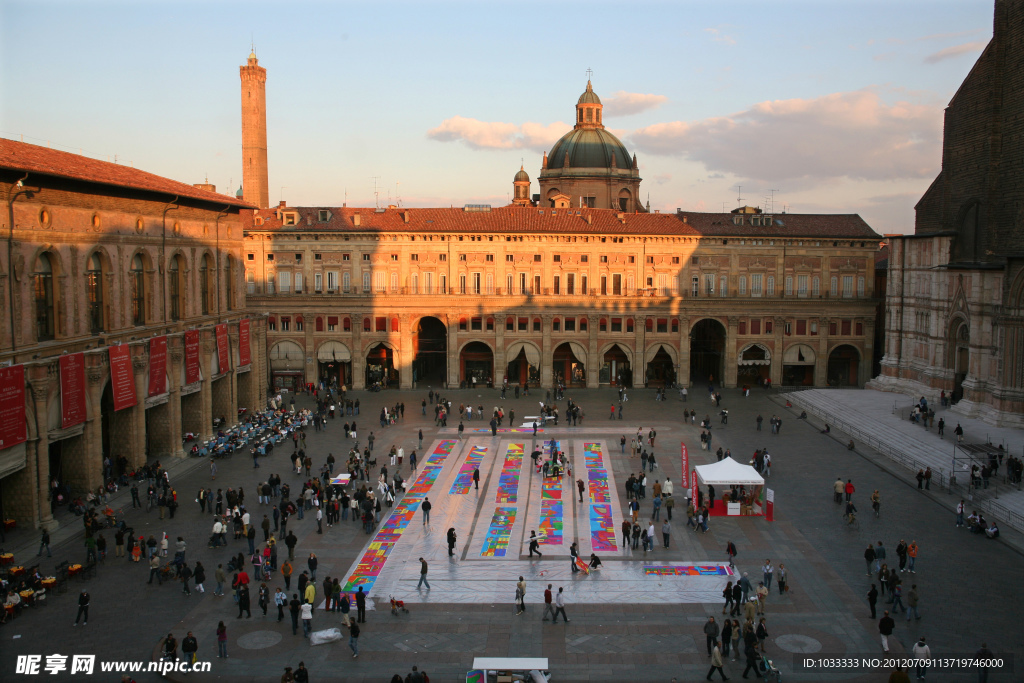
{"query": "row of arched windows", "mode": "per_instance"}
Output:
(138, 297)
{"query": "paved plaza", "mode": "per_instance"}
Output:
(635, 619)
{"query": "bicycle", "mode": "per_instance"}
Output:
(851, 520)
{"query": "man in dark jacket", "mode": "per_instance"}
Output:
(189, 646)
(711, 630)
(873, 599)
(293, 607)
(885, 628)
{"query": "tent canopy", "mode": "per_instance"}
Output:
(727, 472)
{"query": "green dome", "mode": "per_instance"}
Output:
(239, 193)
(589, 96)
(522, 176)
(589, 148)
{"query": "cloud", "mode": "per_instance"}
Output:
(625, 103)
(661, 178)
(498, 135)
(719, 37)
(955, 51)
(809, 142)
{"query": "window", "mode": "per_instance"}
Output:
(632, 259)
(801, 327)
(319, 324)
(570, 283)
(755, 327)
(318, 282)
(662, 324)
(629, 324)
(175, 286)
(462, 257)
(346, 281)
(286, 323)
(695, 286)
(556, 325)
(522, 324)
(742, 327)
(709, 284)
(604, 285)
(137, 275)
(475, 323)
(771, 285)
(298, 258)
(318, 257)
(832, 328)
(602, 325)
(557, 284)
(379, 281)
(860, 286)
(788, 328)
(45, 320)
(509, 284)
(510, 324)
(616, 324)
(205, 290)
(346, 324)
(442, 257)
(442, 286)
(490, 258)
(814, 328)
(394, 283)
(489, 283)
(380, 324)
(755, 284)
(584, 258)
(834, 286)
(570, 324)
(395, 325)
(270, 257)
(366, 282)
(476, 283)
(394, 257)
(270, 283)
(332, 281)
(522, 283)
(490, 324)
(285, 282)
(536, 324)
(462, 324)
(650, 259)
(298, 283)
(366, 257)
(801, 286)
(366, 324)
(344, 257)
(743, 285)
(272, 324)
(617, 284)
(723, 285)
(583, 324)
(768, 326)
(250, 257)
(557, 258)
(289, 218)
(229, 283)
(860, 329)
(675, 260)
(536, 284)
(846, 328)
(847, 286)
(94, 292)
(324, 215)
(414, 283)
(536, 258)
(250, 282)
(604, 259)
(789, 285)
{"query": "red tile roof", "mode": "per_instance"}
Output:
(21, 156)
(514, 219)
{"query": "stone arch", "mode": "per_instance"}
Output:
(708, 339)
(625, 199)
(474, 341)
(843, 367)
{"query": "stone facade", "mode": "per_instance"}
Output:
(90, 263)
(591, 297)
(955, 321)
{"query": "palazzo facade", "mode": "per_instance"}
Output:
(589, 297)
(105, 266)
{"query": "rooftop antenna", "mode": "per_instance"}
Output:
(772, 205)
(398, 197)
(283, 188)
(376, 193)
(346, 197)
(589, 73)
(739, 195)
(723, 207)
(252, 43)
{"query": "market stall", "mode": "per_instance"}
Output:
(737, 487)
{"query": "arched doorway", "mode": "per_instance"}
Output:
(844, 366)
(798, 365)
(116, 429)
(960, 344)
(661, 367)
(380, 367)
(430, 346)
(334, 364)
(476, 365)
(753, 365)
(523, 365)
(707, 351)
(287, 361)
(616, 368)
(569, 364)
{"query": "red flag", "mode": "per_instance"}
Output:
(191, 356)
(13, 429)
(243, 343)
(122, 380)
(223, 349)
(157, 365)
(72, 389)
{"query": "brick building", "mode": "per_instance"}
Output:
(106, 273)
(955, 303)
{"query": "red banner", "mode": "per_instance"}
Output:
(243, 343)
(770, 509)
(191, 356)
(72, 390)
(685, 481)
(12, 406)
(157, 366)
(223, 349)
(122, 380)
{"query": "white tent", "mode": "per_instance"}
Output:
(728, 472)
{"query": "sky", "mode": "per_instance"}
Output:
(817, 106)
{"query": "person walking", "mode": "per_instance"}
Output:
(716, 663)
(295, 609)
(959, 514)
(44, 542)
(727, 595)
(154, 570)
(281, 600)
(730, 550)
(849, 488)
(423, 574)
(912, 553)
(426, 510)
(767, 570)
(711, 632)
(453, 539)
(750, 652)
(306, 616)
(873, 600)
(535, 545)
(912, 598)
(548, 608)
(189, 646)
(885, 627)
(666, 531)
(781, 579)
(222, 641)
(922, 655)
(360, 606)
(560, 606)
(869, 558)
(353, 639)
(83, 608)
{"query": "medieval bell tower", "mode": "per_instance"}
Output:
(255, 182)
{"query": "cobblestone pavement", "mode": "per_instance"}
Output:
(970, 587)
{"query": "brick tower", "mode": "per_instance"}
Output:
(255, 184)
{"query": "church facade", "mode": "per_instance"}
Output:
(955, 302)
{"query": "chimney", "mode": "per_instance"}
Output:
(685, 220)
(590, 219)
(355, 220)
(282, 204)
(205, 186)
(405, 216)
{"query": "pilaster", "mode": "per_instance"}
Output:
(731, 352)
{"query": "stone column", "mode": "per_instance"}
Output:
(358, 357)
(775, 371)
(208, 346)
(821, 360)
(90, 469)
(500, 366)
(546, 361)
(175, 360)
(406, 350)
(731, 352)
(867, 358)
(232, 376)
(39, 496)
(640, 351)
(140, 366)
(684, 352)
(452, 322)
(593, 362)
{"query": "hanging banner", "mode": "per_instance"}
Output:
(223, 349)
(72, 390)
(243, 343)
(12, 406)
(769, 512)
(122, 380)
(191, 356)
(157, 366)
(685, 482)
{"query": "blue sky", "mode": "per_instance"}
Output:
(836, 105)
